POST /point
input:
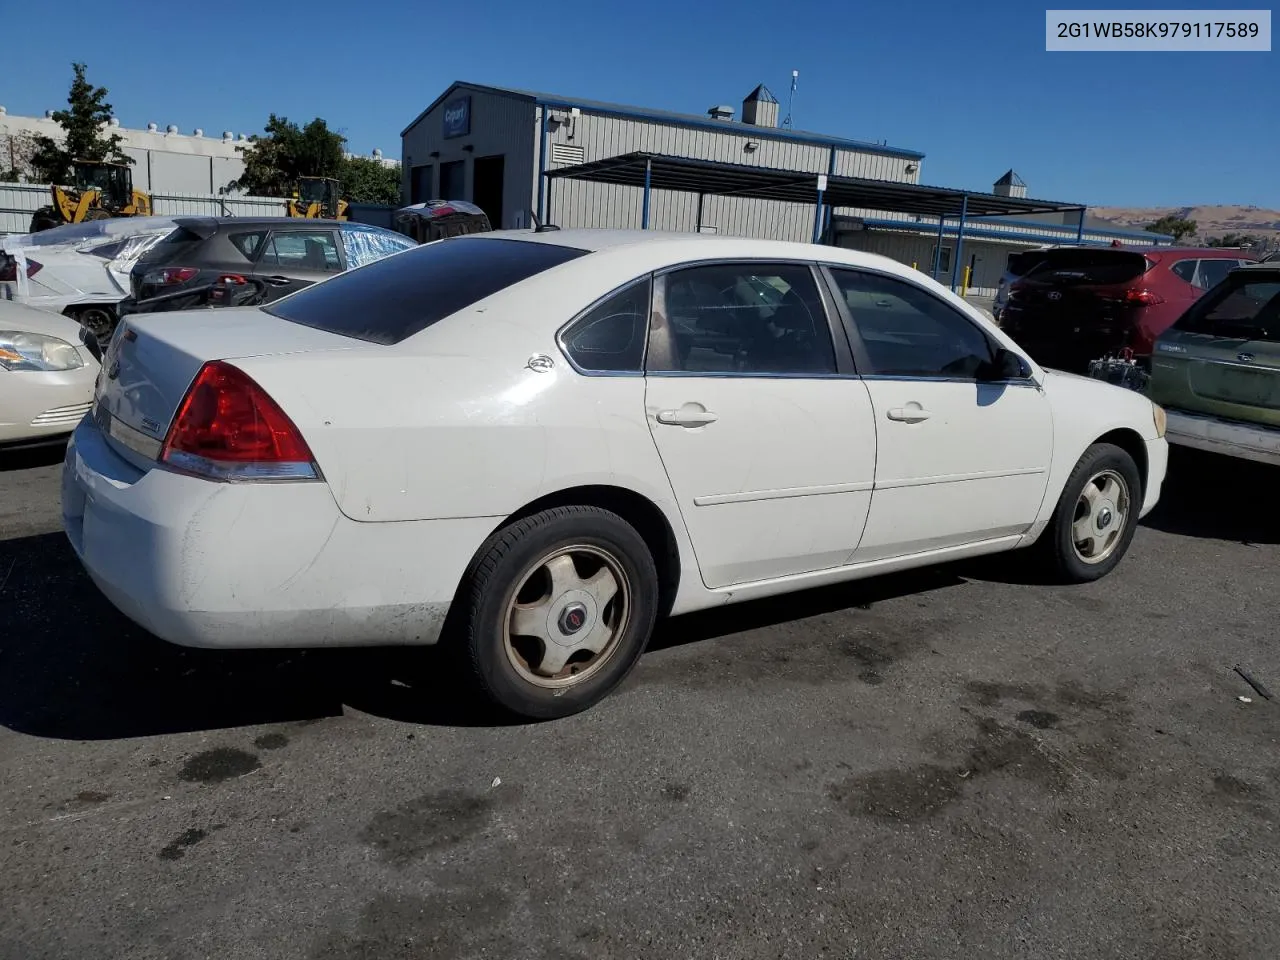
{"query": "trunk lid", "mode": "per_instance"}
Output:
(1222, 357)
(153, 358)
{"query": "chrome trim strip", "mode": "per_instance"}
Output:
(783, 493)
(957, 478)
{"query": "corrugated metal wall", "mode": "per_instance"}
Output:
(499, 125)
(584, 204)
(19, 200)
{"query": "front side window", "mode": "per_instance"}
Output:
(610, 337)
(744, 318)
(908, 332)
(303, 250)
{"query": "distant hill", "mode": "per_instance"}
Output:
(1211, 221)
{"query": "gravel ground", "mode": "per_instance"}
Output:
(953, 761)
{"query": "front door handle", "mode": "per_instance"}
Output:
(690, 415)
(911, 413)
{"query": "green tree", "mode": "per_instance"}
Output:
(1173, 225)
(275, 160)
(82, 126)
(1233, 240)
(365, 180)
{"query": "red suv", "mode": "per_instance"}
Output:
(1080, 304)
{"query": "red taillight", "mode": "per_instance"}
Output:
(168, 276)
(9, 271)
(1142, 298)
(228, 428)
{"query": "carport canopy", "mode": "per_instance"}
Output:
(655, 171)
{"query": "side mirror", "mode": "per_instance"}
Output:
(1004, 365)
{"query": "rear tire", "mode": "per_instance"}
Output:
(556, 610)
(1096, 516)
(44, 219)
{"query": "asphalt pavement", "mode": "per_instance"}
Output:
(958, 762)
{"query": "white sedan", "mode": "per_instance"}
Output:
(46, 376)
(532, 445)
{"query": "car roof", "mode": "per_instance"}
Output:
(681, 246)
(212, 224)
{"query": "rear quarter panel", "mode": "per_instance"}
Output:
(453, 422)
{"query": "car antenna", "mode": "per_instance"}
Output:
(539, 226)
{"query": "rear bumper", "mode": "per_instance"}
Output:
(1228, 437)
(247, 565)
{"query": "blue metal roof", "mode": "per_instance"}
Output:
(669, 116)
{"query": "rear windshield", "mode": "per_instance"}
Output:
(1020, 264)
(1244, 307)
(394, 298)
(1107, 266)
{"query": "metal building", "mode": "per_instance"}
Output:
(585, 163)
(492, 145)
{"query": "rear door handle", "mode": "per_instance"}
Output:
(690, 415)
(911, 413)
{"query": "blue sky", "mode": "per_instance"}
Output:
(971, 86)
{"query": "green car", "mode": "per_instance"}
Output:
(1217, 369)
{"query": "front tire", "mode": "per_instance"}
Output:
(1096, 516)
(556, 610)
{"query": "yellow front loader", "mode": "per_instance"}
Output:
(317, 198)
(102, 190)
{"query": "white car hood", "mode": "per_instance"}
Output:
(16, 316)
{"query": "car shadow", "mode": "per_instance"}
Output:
(1218, 498)
(72, 667)
(29, 458)
(771, 611)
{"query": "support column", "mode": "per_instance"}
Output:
(937, 249)
(955, 259)
(648, 175)
(542, 166)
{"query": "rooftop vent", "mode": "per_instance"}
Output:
(114, 122)
(760, 108)
(721, 112)
(152, 128)
(227, 136)
(377, 154)
(171, 128)
(1010, 185)
(198, 132)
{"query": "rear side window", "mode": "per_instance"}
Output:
(248, 243)
(1213, 272)
(392, 299)
(1101, 267)
(610, 337)
(1244, 308)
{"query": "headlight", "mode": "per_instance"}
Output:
(1160, 418)
(33, 351)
